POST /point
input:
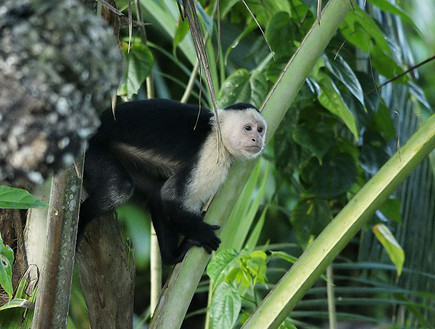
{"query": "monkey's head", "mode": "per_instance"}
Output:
(243, 130)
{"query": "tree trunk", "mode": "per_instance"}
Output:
(106, 271)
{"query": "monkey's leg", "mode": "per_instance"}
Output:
(167, 234)
(106, 182)
(192, 226)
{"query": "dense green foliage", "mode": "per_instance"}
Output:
(335, 136)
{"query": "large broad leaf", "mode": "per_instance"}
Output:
(180, 33)
(275, 68)
(241, 86)
(139, 63)
(345, 74)
(394, 250)
(225, 306)
(222, 264)
(393, 8)
(15, 198)
(363, 32)
(318, 139)
(391, 210)
(6, 261)
(309, 217)
(331, 99)
(334, 177)
(280, 33)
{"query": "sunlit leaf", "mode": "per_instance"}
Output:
(393, 8)
(331, 99)
(15, 198)
(180, 33)
(17, 303)
(225, 306)
(363, 32)
(6, 261)
(222, 263)
(394, 250)
(241, 86)
(345, 74)
(138, 65)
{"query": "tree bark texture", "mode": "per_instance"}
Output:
(106, 271)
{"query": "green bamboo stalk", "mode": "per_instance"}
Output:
(179, 291)
(285, 295)
(332, 313)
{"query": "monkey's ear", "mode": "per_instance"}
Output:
(222, 114)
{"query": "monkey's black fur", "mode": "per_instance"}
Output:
(137, 151)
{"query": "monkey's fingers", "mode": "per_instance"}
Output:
(212, 245)
(214, 227)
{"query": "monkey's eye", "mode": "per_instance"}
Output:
(247, 128)
(260, 129)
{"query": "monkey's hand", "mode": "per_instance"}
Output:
(207, 238)
(204, 236)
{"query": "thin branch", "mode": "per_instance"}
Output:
(259, 26)
(195, 30)
(412, 68)
(110, 7)
(130, 25)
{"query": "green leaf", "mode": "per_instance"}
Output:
(308, 219)
(394, 9)
(275, 68)
(391, 209)
(6, 261)
(331, 99)
(254, 264)
(225, 306)
(226, 5)
(17, 303)
(241, 86)
(342, 71)
(259, 88)
(221, 264)
(363, 32)
(180, 33)
(138, 65)
(334, 177)
(280, 33)
(243, 213)
(318, 139)
(283, 255)
(394, 250)
(255, 234)
(15, 198)
(287, 325)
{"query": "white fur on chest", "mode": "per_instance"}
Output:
(205, 182)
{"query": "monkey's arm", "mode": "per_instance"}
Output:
(188, 222)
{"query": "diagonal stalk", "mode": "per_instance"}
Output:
(179, 291)
(313, 262)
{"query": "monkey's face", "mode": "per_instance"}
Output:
(243, 132)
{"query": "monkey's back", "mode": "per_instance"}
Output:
(166, 127)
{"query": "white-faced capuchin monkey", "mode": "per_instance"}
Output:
(166, 152)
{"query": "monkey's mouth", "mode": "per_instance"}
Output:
(253, 149)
